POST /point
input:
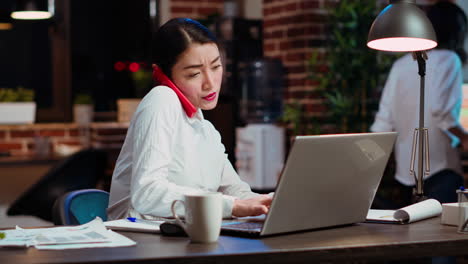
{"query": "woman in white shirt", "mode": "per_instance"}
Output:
(170, 149)
(398, 110)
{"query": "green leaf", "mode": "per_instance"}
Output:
(19, 94)
(83, 98)
(355, 73)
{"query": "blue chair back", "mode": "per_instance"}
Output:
(81, 206)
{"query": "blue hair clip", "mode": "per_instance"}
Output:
(201, 26)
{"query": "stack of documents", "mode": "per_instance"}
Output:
(91, 235)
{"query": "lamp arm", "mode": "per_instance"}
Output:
(421, 57)
(423, 141)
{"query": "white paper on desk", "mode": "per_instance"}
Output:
(412, 213)
(150, 226)
(15, 238)
(418, 211)
(381, 216)
(92, 234)
(117, 240)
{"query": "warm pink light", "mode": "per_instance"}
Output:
(402, 44)
(119, 66)
(134, 67)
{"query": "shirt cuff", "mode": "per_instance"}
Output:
(445, 125)
(228, 204)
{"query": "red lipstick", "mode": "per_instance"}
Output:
(210, 97)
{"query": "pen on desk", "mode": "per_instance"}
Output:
(131, 219)
(137, 220)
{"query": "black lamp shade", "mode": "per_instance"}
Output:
(402, 26)
(32, 9)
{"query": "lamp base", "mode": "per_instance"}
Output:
(418, 197)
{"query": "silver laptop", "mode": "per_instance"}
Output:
(328, 180)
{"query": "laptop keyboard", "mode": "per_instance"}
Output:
(244, 226)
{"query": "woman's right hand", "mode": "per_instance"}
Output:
(252, 207)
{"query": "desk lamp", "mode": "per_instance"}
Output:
(403, 27)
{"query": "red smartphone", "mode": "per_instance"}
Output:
(161, 78)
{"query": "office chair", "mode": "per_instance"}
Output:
(80, 207)
(78, 171)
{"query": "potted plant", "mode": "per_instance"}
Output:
(17, 106)
(83, 109)
(125, 108)
(349, 75)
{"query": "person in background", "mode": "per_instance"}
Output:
(170, 149)
(399, 107)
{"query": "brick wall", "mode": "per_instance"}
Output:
(19, 140)
(293, 30)
(195, 9)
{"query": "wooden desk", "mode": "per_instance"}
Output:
(372, 242)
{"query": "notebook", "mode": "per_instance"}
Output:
(149, 226)
(411, 213)
(328, 180)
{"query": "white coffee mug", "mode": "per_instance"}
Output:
(203, 216)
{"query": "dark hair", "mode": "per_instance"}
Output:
(174, 37)
(450, 24)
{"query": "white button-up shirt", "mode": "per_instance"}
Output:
(399, 110)
(165, 155)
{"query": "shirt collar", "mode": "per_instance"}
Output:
(198, 116)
